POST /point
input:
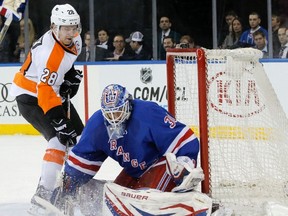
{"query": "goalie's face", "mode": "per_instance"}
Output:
(116, 116)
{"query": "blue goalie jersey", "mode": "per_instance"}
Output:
(150, 133)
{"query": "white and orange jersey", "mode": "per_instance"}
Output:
(42, 73)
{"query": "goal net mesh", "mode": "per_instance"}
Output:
(247, 127)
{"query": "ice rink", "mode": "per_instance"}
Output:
(20, 168)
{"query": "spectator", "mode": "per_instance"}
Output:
(139, 50)
(246, 39)
(275, 23)
(186, 41)
(232, 39)
(85, 52)
(85, 55)
(103, 40)
(165, 26)
(119, 48)
(229, 17)
(19, 52)
(5, 46)
(261, 42)
(168, 43)
(283, 39)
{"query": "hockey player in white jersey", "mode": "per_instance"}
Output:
(43, 88)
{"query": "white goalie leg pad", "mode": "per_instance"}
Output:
(118, 200)
(182, 170)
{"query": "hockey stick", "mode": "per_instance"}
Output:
(68, 116)
(5, 28)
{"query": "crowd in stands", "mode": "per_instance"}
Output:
(256, 36)
(118, 48)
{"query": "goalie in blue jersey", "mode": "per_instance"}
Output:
(154, 149)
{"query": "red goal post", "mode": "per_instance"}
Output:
(201, 62)
(227, 99)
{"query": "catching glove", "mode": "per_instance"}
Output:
(65, 131)
(71, 83)
(185, 176)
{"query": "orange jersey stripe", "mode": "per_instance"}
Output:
(21, 81)
(26, 64)
(55, 156)
(47, 98)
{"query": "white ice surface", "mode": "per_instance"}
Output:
(20, 167)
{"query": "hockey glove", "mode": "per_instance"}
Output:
(71, 83)
(65, 131)
(182, 170)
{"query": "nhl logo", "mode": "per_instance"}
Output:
(146, 75)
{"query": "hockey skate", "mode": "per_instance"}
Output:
(36, 208)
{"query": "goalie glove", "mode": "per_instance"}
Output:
(182, 170)
(12, 8)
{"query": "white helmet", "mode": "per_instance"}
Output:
(65, 15)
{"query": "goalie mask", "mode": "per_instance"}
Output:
(116, 109)
(64, 15)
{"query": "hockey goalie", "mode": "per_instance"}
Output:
(158, 155)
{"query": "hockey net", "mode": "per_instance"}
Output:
(241, 125)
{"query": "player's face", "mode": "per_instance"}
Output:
(67, 33)
(115, 116)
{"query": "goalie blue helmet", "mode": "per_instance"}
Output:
(115, 104)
